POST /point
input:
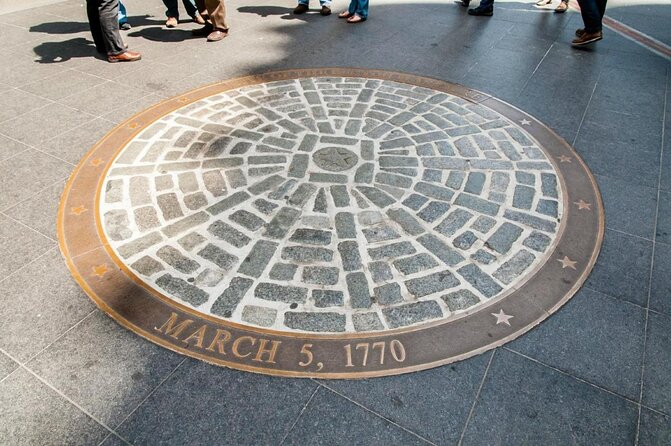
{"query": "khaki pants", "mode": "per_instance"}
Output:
(216, 10)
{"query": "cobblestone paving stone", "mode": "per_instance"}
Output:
(332, 205)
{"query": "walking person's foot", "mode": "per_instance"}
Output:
(124, 26)
(579, 32)
(480, 11)
(465, 3)
(356, 18)
(587, 38)
(325, 11)
(562, 7)
(543, 2)
(198, 19)
(217, 35)
(171, 22)
(128, 56)
(301, 9)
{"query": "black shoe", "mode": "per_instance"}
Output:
(482, 11)
(124, 26)
(202, 32)
(301, 8)
(325, 10)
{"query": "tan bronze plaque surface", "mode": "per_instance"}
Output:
(334, 223)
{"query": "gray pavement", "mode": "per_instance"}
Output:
(597, 372)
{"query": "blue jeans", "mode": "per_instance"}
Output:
(486, 4)
(321, 2)
(123, 18)
(359, 7)
(592, 12)
(173, 10)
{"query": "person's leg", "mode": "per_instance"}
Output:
(326, 7)
(94, 24)
(190, 7)
(171, 9)
(207, 29)
(486, 8)
(302, 7)
(362, 9)
(591, 16)
(217, 12)
(602, 7)
(108, 11)
(123, 18)
(353, 6)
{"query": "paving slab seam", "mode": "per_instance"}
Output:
(538, 65)
(14, 116)
(18, 366)
(62, 395)
(28, 264)
(168, 375)
(591, 96)
(652, 260)
(20, 223)
(300, 414)
(93, 117)
(46, 78)
(60, 336)
(25, 200)
(621, 300)
(577, 378)
(325, 386)
(476, 398)
(628, 234)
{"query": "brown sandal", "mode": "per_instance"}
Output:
(344, 15)
(355, 18)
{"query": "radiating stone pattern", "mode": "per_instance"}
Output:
(332, 205)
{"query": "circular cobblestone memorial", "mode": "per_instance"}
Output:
(338, 223)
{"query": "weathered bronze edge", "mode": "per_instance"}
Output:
(235, 83)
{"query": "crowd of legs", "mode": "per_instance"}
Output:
(107, 17)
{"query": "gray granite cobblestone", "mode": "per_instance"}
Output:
(247, 193)
(413, 313)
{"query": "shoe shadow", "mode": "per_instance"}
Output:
(161, 34)
(284, 13)
(78, 27)
(58, 52)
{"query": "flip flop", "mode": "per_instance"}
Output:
(344, 15)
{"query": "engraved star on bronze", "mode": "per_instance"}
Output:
(583, 205)
(100, 270)
(502, 318)
(566, 262)
(79, 210)
(564, 159)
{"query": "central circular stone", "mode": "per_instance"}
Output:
(335, 159)
(332, 205)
